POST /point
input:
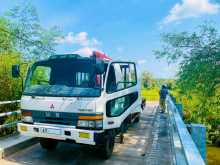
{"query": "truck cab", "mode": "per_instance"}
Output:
(82, 100)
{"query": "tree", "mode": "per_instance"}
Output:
(30, 38)
(198, 80)
(199, 55)
(8, 56)
(6, 40)
(147, 80)
(22, 39)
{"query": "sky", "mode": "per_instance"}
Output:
(123, 29)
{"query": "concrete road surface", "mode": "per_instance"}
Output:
(136, 150)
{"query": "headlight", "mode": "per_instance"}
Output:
(90, 121)
(27, 119)
(99, 124)
(91, 124)
(83, 123)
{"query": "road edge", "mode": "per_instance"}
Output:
(11, 149)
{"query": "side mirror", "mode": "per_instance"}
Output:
(15, 70)
(100, 67)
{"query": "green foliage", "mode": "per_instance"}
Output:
(9, 87)
(30, 38)
(198, 83)
(22, 41)
(150, 86)
(150, 94)
(147, 80)
(21, 38)
(199, 53)
(6, 40)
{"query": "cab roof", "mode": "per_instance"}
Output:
(72, 56)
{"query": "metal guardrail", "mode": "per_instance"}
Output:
(9, 102)
(5, 114)
(184, 148)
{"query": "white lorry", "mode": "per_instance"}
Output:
(77, 99)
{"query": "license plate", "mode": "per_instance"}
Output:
(53, 131)
(84, 135)
(23, 128)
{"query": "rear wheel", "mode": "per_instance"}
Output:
(107, 148)
(48, 144)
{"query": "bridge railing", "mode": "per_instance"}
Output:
(184, 149)
(7, 114)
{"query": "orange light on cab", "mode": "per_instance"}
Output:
(97, 117)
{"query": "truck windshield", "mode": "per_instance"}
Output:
(63, 78)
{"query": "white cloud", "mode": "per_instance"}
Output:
(191, 8)
(141, 62)
(80, 38)
(87, 45)
(85, 51)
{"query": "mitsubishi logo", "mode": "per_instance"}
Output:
(51, 106)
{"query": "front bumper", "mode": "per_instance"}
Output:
(60, 132)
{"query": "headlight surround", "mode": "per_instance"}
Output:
(27, 117)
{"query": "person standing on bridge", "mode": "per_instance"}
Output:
(163, 94)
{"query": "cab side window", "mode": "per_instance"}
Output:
(121, 76)
(111, 81)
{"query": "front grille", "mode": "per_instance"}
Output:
(49, 117)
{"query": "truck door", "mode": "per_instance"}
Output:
(122, 92)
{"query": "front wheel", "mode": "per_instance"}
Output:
(137, 118)
(48, 144)
(106, 149)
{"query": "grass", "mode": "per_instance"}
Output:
(150, 94)
(213, 155)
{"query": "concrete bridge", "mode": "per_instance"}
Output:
(161, 139)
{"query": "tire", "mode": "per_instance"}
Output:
(124, 127)
(107, 148)
(128, 122)
(121, 136)
(48, 144)
(137, 118)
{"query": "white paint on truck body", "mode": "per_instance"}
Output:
(60, 104)
(86, 105)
